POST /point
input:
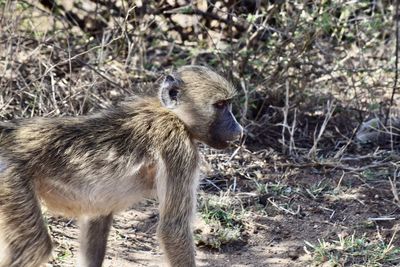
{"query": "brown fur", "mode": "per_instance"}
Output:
(90, 167)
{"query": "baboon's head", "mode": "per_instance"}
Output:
(202, 100)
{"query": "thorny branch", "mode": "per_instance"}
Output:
(396, 54)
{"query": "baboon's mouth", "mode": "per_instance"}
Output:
(220, 144)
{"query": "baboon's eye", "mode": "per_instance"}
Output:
(173, 94)
(221, 104)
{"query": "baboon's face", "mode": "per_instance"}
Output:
(224, 127)
(202, 100)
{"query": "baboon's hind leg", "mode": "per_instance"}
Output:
(93, 240)
(24, 239)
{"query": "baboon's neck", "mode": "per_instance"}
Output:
(147, 118)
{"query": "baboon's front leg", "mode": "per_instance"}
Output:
(93, 240)
(177, 205)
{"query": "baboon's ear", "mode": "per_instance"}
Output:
(170, 91)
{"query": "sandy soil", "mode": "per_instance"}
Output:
(274, 240)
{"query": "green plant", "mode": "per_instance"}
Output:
(353, 251)
(223, 221)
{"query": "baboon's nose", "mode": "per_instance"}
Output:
(236, 132)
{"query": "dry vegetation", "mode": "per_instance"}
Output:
(307, 188)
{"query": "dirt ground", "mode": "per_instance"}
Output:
(310, 204)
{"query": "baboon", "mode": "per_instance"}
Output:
(90, 167)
